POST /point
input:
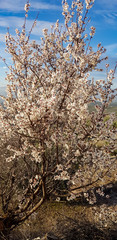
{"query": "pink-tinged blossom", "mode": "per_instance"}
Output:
(26, 7)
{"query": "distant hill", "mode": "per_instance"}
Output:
(115, 100)
(3, 93)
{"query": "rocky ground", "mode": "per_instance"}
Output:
(71, 221)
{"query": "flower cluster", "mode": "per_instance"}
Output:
(26, 8)
(89, 3)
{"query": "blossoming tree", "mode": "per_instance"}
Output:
(46, 122)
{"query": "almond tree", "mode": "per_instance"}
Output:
(46, 122)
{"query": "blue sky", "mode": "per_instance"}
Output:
(103, 15)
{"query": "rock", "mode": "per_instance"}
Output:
(38, 238)
(51, 236)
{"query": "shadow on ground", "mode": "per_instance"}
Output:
(66, 221)
(67, 232)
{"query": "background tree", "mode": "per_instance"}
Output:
(46, 125)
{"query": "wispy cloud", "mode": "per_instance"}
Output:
(111, 48)
(107, 11)
(108, 4)
(11, 21)
(17, 22)
(110, 16)
(40, 26)
(2, 37)
(103, 76)
(8, 5)
(42, 5)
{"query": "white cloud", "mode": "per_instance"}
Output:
(107, 12)
(107, 9)
(41, 5)
(110, 18)
(40, 26)
(109, 15)
(111, 47)
(108, 4)
(11, 21)
(17, 22)
(8, 5)
(102, 76)
(2, 37)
